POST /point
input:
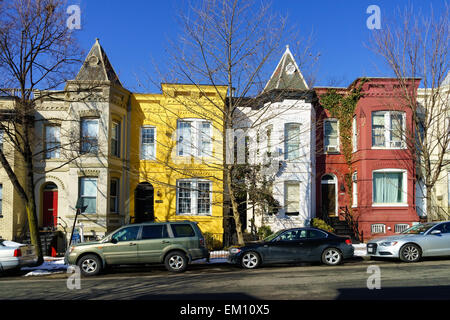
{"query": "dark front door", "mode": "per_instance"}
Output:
(329, 199)
(144, 203)
(50, 206)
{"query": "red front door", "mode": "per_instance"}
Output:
(50, 209)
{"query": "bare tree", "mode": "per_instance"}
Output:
(415, 46)
(231, 44)
(37, 54)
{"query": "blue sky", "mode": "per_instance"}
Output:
(134, 33)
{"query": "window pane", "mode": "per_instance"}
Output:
(182, 230)
(89, 135)
(396, 129)
(53, 141)
(292, 133)
(115, 139)
(114, 196)
(153, 232)
(184, 138)
(378, 129)
(331, 133)
(88, 194)
(387, 187)
(184, 197)
(203, 200)
(148, 143)
(205, 139)
(126, 234)
(292, 190)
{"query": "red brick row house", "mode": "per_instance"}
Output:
(381, 199)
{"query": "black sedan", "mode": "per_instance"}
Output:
(293, 245)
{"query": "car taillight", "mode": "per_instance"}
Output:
(202, 242)
(348, 241)
(17, 253)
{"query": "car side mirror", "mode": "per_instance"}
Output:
(113, 240)
(436, 232)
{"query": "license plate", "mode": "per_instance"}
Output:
(370, 250)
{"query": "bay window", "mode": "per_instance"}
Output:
(388, 129)
(89, 135)
(389, 187)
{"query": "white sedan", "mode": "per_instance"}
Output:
(15, 255)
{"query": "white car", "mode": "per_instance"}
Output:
(15, 255)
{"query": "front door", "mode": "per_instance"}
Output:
(144, 203)
(50, 206)
(328, 192)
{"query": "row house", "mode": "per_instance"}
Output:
(280, 126)
(440, 115)
(382, 196)
(177, 156)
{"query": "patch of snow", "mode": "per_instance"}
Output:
(360, 249)
(50, 265)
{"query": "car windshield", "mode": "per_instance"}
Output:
(419, 229)
(273, 236)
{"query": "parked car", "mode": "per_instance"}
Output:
(15, 255)
(175, 244)
(293, 245)
(422, 240)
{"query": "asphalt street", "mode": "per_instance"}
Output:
(429, 279)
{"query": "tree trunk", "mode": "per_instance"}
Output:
(430, 214)
(234, 207)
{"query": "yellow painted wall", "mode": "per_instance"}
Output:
(163, 111)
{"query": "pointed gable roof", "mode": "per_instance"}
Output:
(96, 67)
(287, 75)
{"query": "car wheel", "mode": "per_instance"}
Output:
(176, 261)
(332, 256)
(250, 260)
(410, 253)
(90, 265)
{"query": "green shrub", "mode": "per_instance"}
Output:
(264, 232)
(211, 242)
(320, 224)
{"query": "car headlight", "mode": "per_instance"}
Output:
(235, 250)
(388, 243)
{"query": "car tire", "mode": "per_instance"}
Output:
(332, 257)
(176, 261)
(410, 253)
(250, 260)
(90, 265)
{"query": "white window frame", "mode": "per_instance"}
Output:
(83, 138)
(387, 129)
(116, 129)
(286, 183)
(52, 152)
(96, 194)
(195, 143)
(325, 146)
(355, 189)
(354, 135)
(141, 155)
(404, 188)
(194, 191)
